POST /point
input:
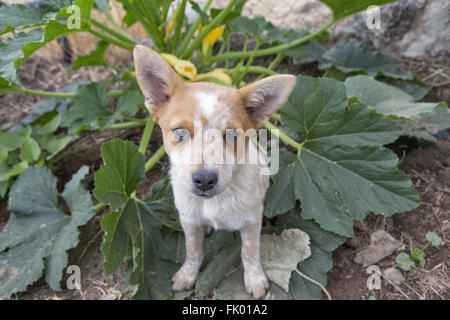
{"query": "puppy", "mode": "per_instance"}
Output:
(206, 130)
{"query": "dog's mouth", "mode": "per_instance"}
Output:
(205, 194)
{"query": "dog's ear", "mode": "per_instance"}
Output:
(266, 96)
(155, 77)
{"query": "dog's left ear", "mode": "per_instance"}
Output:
(266, 96)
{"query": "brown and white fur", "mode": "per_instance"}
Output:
(236, 201)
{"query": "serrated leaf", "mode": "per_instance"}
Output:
(342, 171)
(19, 16)
(30, 150)
(418, 255)
(13, 171)
(118, 177)
(428, 124)
(89, 109)
(39, 233)
(10, 141)
(350, 56)
(386, 99)
(95, 58)
(434, 239)
(226, 260)
(14, 50)
(250, 26)
(404, 261)
(344, 8)
(137, 224)
(130, 100)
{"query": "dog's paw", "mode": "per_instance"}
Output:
(256, 283)
(184, 279)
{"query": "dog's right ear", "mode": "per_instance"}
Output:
(155, 77)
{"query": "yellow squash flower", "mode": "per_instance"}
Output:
(186, 69)
(211, 38)
(170, 58)
(219, 74)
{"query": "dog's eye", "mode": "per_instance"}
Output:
(180, 134)
(231, 135)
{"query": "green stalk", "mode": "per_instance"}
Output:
(256, 69)
(155, 158)
(273, 50)
(119, 43)
(249, 62)
(124, 125)
(276, 116)
(110, 94)
(152, 24)
(284, 137)
(179, 23)
(198, 40)
(151, 30)
(273, 64)
(146, 135)
(112, 32)
(118, 26)
(191, 31)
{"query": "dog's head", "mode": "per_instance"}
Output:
(205, 126)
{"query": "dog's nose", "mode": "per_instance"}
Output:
(204, 180)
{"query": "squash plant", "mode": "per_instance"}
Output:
(334, 169)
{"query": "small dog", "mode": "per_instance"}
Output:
(208, 191)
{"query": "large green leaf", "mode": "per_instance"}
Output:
(19, 47)
(344, 8)
(120, 174)
(89, 110)
(19, 16)
(137, 223)
(95, 58)
(386, 99)
(39, 233)
(342, 171)
(350, 56)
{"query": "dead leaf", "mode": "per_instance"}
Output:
(280, 254)
(382, 245)
(393, 275)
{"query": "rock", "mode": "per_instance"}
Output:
(409, 28)
(382, 245)
(393, 275)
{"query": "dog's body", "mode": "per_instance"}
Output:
(209, 189)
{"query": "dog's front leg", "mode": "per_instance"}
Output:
(185, 278)
(255, 279)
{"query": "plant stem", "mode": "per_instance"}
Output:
(118, 26)
(272, 50)
(249, 62)
(273, 64)
(191, 31)
(256, 69)
(124, 125)
(119, 43)
(208, 29)
(179, 23)
(111, 31)
(276, 116)
(155, 158)
(110, 94)
(284, 137)
(146, 135)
